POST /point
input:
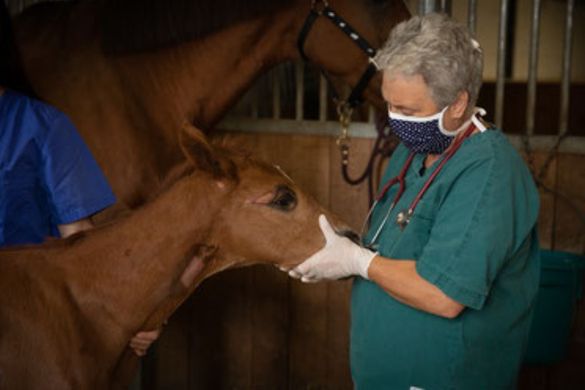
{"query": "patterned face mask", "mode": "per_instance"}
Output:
(422, 134)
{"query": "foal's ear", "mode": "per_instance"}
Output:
(199, 151)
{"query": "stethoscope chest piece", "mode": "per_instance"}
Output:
(403, 218)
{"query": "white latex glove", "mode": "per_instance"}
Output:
(339, 258)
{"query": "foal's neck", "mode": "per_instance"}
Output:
(141, 258)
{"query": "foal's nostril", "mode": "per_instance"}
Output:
(353, 236)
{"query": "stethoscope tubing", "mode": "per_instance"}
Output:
(400, 179)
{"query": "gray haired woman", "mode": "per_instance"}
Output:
(449, 268)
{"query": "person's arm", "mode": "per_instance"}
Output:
(400, 279)
(340, 258)
(68, 229)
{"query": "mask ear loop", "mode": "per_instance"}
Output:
(476, 121)
(465, 125)
(442, 128)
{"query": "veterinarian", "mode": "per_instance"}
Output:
(447, 276)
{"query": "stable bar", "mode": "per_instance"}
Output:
(17, 7)
(543, 143)
(446, 7)
(322, 98)
(500, 72)
(532, 68)
(291, 126)
(299, 90)
(566, 76)
(472, 16)
(276, 93)
(427, 6)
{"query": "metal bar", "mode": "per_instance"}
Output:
(291, 126)
(500, 72)
(322, 98)
(17, 7)
(299, 90)
(276, 93)
(566, 76)
(427, 6)
(446, 7)
(371, 114)
(472, 16)
(532, 68)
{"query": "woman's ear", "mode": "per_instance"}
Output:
(459, 107)
(199, 151)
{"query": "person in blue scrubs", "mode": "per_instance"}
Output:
(50, 184)
(448, 272)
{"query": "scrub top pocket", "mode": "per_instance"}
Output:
(410, 242)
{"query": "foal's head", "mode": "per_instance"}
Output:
(264, 216)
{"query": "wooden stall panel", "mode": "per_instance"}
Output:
(270, 323)
(351, 202)
(166, 365)
(547, 198)
(569, 229)
(220, 332)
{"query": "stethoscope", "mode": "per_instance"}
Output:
(404, 217)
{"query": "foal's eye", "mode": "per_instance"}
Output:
(285, 199)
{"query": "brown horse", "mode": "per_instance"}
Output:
(130, 72)
(68, 308)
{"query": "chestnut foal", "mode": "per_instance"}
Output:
(68, 308)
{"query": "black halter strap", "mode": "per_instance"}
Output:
(384, 142)
(355, 97)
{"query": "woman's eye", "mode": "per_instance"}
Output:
(285, 199)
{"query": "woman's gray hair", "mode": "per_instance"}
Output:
(439, 49)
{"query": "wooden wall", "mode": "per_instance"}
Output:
(256, 328)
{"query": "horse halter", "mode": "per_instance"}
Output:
(345, 107)
(321, 8)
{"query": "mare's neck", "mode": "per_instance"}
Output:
(201, 80)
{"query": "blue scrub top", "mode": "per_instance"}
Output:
(48, 176)
(473, 235)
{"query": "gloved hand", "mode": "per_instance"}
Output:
(339, 258)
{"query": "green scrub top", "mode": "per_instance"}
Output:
(473, 235)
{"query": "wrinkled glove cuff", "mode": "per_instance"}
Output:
(364, 258)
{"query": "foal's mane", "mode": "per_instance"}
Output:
(139, 25)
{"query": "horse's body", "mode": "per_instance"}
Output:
(68, 308)
(128, 105)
